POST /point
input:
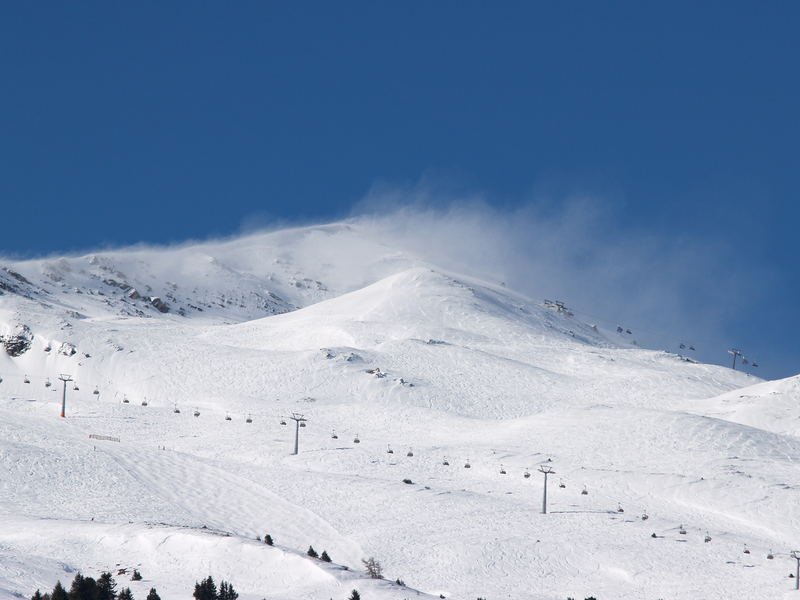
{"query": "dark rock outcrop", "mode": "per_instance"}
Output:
(19, 342)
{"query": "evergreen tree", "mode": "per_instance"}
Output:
(83, 588)
(59, 593)
(268, 540)
(37, 595)
(312, 553)
(125, 594)
(324, 556)
(226, 592)
(106, 587)
(206, 589)
(153, 595)
(355, 595)
(136, 576)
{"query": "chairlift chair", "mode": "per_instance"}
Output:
(561, 483)
(746, 549)
(47, 382)
(645, 516)
(770, 556)
(389, 450)
(196, 412)
(144, 402)
(526, 474)
(445, 462)
(584, 491)
(125, 400)
(302, 423)
(707, 538)
(249, 419)
(228, 418)
(334, 436)
(26, 380)
(619, 508)
(409, 453)
(75, 387)
(682, 531)
(176, 410)
(96, 392)
(356, 440)
(691, 347)
(502, 470)
(467, 465)
(283, 421)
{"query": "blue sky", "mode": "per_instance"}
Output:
(161, 121)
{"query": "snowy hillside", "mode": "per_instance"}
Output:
(373, 344)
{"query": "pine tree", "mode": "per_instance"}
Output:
(136, 576)
(268, 540)
(226, 591)
(37, 595)
(125, 594)
(59, 593)
(106, 587)
(355, 595)
(83, 588)
(206, 589)
(153, 595)
(324, 556)
(311, 552)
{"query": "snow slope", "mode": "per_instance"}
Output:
(469, 372)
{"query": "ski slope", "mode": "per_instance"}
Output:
(469, 372)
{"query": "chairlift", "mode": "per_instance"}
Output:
(561, 483)
(584, 491)
(389, 449)
(356, 440)
(96, 392)
(502, 470)
(249, 419)
(334, 436)
(619, 508)
(707, 538)
(467, 465)
(26, 380)
(409, 453)
(770, 556)
(682, 531)
(446, 462)
(228, 418)
(47, 382)
(526, 474)
(196, 413)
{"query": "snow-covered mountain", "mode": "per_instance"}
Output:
(370, 343)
